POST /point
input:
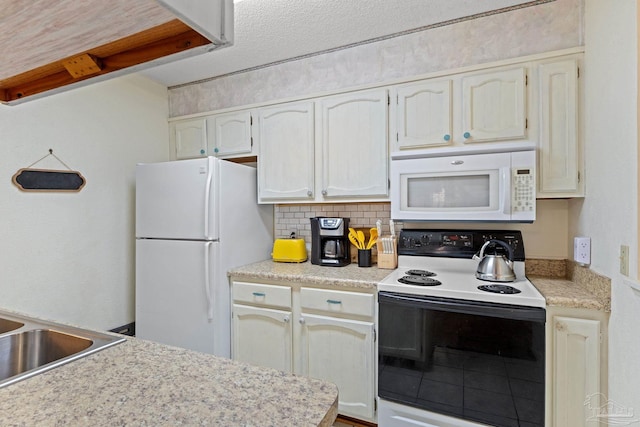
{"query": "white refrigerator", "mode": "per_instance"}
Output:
(195, 219)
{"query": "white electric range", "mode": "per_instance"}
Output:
(455, 350)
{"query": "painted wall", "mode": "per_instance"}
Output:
(550, 26)
(609, 212)
(70, 257)
(553, 26)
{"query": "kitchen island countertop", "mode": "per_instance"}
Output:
(140, 383)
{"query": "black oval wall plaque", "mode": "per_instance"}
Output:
(48, 180)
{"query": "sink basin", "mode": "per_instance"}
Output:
(7, 325)
(24, 351)
(29, 347)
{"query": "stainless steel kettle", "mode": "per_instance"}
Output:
(495, 268)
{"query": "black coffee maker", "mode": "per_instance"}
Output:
(330, 241)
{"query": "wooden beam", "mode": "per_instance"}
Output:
(157, 42)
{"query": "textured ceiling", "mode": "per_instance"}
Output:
(38, 32)
(268, 31)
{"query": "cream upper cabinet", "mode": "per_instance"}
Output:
(423, 114)
(230, 134)
(286, 154)
(487, 106)
(576, 366)
(354, 145)
(189, 138)
(559, 154)
(225, 135)
(494, 105)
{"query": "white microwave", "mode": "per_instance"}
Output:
(443, 186)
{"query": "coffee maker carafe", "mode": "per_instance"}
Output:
(330, 241)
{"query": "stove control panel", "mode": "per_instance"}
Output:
(457, 243)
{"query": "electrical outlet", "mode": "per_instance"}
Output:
(624, 260)
(582, 250)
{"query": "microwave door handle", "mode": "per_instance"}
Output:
(505, 195)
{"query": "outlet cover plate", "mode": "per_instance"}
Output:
(582, 250)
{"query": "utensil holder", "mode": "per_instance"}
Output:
(364, 257)
(387, 260)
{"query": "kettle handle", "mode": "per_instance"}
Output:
(499, 242)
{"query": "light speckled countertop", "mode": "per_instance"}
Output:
(139, 383)
(350, 276)
(586, 289)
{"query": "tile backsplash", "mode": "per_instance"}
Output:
(289, 218)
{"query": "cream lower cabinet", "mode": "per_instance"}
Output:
(321, 333)
(576, 366)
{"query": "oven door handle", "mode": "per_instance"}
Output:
(505, 311)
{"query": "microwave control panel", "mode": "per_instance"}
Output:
(523, 190)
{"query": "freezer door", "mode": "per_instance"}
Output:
(182, 297)
(177, 200)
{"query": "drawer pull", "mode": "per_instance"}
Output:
(259, 294)
(334, 301)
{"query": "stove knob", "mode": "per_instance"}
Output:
(425, 239)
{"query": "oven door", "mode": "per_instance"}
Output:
(477, 361)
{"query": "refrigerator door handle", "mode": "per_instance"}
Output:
(207, 280)
(207, 197)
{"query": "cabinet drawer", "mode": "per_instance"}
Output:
(337, 301)
(254, 293)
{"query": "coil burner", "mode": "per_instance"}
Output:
(499, 289)
(423, 273)
(419, 281)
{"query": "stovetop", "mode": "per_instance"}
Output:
(453, 275)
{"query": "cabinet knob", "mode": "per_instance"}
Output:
(324, 192)
(309, 193)
(286, 319)
(447, 137)
(301, 320)
(215, 150)
(202, 151)
(466, 135)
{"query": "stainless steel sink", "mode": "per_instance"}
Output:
(29, 347)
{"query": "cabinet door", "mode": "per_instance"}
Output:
(559, 151)
(424, 114)
(230, 134)
(576, 370)
(262, 336)
(354, 145)
(341, 351)
(494, 106)
(190, 138)
(286, 152)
